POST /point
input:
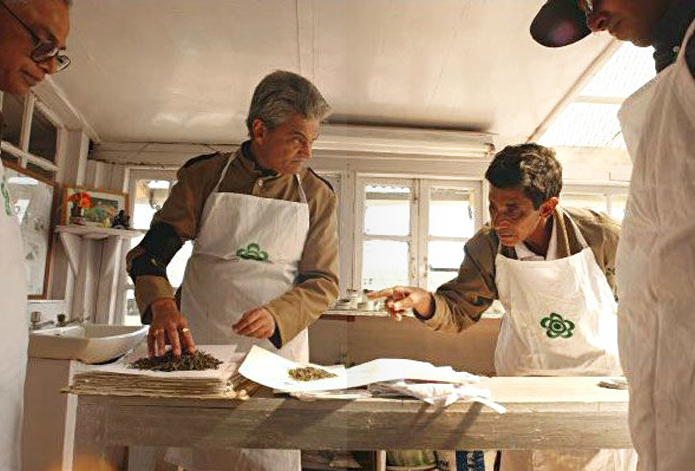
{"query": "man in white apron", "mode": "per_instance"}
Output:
(550, 267)
(25, 58)
(264, 262)
(656, 258)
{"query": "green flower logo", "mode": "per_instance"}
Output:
(253, 252)
(6, 197)
(555, 326)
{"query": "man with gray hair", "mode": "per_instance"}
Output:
(32, 38)
(265, 260)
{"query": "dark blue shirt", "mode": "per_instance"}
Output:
(668, 35)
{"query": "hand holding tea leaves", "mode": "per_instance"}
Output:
(400, 298)
(168, 326)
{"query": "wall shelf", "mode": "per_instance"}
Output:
(97, 233)
(82, 244)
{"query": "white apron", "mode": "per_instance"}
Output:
(246, 254)
(13, 312)
(560, 320)
(656, 268)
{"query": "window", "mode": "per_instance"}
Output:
(610, 200)
(591, 119)
(412, 232)
(451, 222)
(387, 237)
(13, 115)
(150, 190)
(43, 137)
(31, 137)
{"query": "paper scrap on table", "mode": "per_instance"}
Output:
(437, 394)
(272, 370)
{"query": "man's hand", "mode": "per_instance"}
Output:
(400, 298)
(257, 323)
(168, 326)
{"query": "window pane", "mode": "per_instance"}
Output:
(9, 158)
(149, 198)
(586, 201)
(43, 137)
(12, 114)
(618, 203)
(177, 266)
(443, 262)
(132, 315)
(451, 213)
(136, 240)
(387, 210)
(47, 174)
(384, 264)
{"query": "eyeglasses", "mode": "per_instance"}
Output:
(44, 49)
(587, 6)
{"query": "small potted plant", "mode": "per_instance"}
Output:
(79, 200)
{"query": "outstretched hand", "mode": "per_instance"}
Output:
(400, 298)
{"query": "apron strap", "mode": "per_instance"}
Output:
(224, 173)
(686, 38)
(577, 232)
(302, 193)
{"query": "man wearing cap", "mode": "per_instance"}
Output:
(656, 256)
(32, 39)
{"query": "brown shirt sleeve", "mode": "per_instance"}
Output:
(317, 280)
(460, 302)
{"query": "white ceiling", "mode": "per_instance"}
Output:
(184, 70)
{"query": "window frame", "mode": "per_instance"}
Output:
(33, 105)
(360, 237)
(608, 191)
(475, 188)
(418, 238)
(133, 175)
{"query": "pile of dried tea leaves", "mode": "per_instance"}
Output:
(309, 373)
(197, 361)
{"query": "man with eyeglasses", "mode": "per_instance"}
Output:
(656, 255)
(32, 37)
(32, 40)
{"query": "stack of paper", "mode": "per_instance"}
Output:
(120, 379)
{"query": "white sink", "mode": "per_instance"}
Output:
(89, 343)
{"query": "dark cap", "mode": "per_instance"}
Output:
(559, 23)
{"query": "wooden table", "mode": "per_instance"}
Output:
(542, 413)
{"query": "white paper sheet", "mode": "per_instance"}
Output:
(272, 370)
(226, 353)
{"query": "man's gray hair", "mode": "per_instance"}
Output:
(280, 95)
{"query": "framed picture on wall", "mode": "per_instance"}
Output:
(91, 207)
(33, 199)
